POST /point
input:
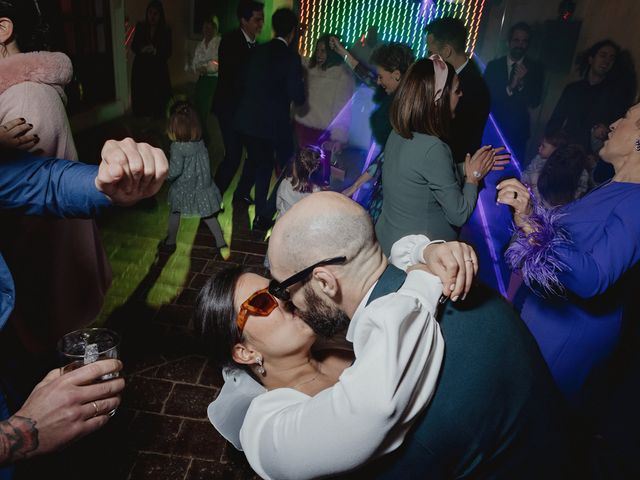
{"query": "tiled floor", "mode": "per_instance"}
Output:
(161, 430)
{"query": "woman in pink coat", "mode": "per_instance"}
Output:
(59, 265)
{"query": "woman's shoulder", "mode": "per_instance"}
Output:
(424, 142)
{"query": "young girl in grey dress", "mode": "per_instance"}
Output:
(192, 191)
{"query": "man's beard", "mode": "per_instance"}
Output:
(326, 320)
(517, 53)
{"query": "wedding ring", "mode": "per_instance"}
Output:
(477, 174)
(95, 405)
(468, 260)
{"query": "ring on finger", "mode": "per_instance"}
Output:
(95, 405)
(468, 260)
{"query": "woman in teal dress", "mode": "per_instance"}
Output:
(422, 190)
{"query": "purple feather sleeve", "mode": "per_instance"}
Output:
(536, 254)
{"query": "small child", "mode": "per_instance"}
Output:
(192, 191)
(294, 188)
(562, 179)
(549, 144)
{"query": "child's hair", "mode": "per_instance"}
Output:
(184, 125)
(557, 138)
(304, 164)
(560, 176)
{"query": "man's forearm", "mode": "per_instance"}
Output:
(50, 186)
(18, 439)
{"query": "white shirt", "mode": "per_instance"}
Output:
(398, 348)
(328, 105)
(206, 56)
(287, 196)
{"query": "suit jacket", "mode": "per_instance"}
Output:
(496, 412)
(233, 55)
(472, 113)
(512, 111)
(273, 80)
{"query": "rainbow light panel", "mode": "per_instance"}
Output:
(397, 20)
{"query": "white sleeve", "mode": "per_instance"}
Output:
(399, 350)
(408, 250)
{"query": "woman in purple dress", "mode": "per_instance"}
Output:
(577, 262)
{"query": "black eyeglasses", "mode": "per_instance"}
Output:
(279, 289)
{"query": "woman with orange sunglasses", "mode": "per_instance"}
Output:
(265, 327)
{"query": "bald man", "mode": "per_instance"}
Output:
(491, 406)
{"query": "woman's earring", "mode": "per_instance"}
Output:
(638, 145)
(260, 368)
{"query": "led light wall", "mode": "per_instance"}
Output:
(397, 20)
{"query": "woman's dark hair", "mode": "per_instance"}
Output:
(304, 164)
(560, 176)
(162, 21)
(215, 315)
(30, 30)
(582, 60)
(413, 108)
(393, 56)
(184, 125)
(333, 58)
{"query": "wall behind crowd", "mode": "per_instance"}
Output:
(599, 20)
(179, 18)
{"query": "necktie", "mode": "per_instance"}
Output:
(251, 45)
(513, 72)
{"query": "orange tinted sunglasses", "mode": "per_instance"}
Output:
(260, 303)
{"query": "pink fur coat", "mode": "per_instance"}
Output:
(32, 87)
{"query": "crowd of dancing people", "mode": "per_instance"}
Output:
(370, 350)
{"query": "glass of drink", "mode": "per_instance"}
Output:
(88, 345)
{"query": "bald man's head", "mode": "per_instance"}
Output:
(320, 226)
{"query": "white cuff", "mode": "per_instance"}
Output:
(408, 250)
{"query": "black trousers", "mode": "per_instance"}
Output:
(262, 155)
(233, 143)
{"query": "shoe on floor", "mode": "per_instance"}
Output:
(262, 224)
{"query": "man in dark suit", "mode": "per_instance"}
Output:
(272, 81)
(515, 82)
(447, 37)
(233, 55)
(496, 412)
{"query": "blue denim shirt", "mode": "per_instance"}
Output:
(37, 186)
